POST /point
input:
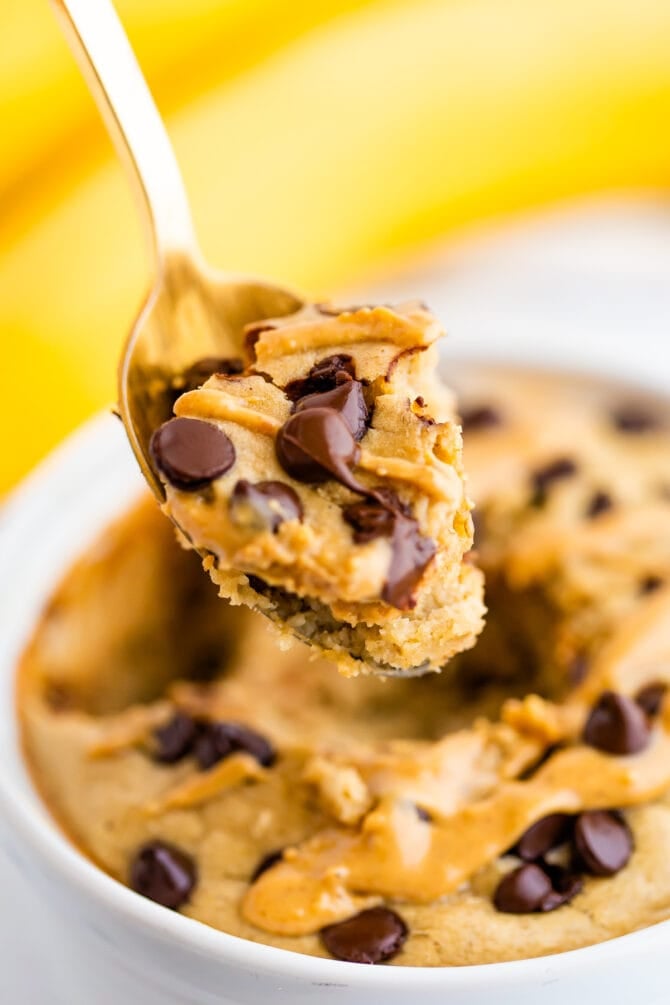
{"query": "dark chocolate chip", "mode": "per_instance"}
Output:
(316, 445)
(191, 453)
(603, 842)
(523, 891)
(549, 832)
(617, 725)
(324, 376)
(566, 884)
(600, 502)
(347, 399)
(634, 418)
(217, 740)
(544, 478)
(650, 698)
(372, 936)
(175, 739)
(263, 506)
(650, 584)
(479, 417)
(369, 519)
(266, 863)
(424, 814)
(411, 553)
(163, 873)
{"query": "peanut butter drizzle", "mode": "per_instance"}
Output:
(376, 324)
(429, 476)
(206, 785)
(394, 853)
(211, 403)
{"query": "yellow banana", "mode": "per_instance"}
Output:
(381, 129)
(184, 47)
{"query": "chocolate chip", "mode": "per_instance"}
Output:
(536, 887)
(650, 698)
(191, 453)
(424, 814)
(603, 842)
(549, 832)
(411, 553)
(544, 478)
(175, 739)
(163, 873)
(634, 418)
(324, 376)
(263, 506)
(266, 863)
(566, 884)
(650, 584)
(600, 502)
(372, 936)
(347, 399)
(479, 417)
(617, 725)
(523, 891)
(369, 520)
(316, 445)
(218, 740)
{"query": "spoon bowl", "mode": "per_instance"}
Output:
(194, 313)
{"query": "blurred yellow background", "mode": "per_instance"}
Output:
(319, 140)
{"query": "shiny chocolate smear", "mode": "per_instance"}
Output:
(346, 399)
(411, 555)
(316, 445)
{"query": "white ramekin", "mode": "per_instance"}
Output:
(120, 949)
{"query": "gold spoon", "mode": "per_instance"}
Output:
(192, 311)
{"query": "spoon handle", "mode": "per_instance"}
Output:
(101, 47)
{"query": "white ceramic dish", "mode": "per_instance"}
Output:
(122, 948)
(69, 935)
